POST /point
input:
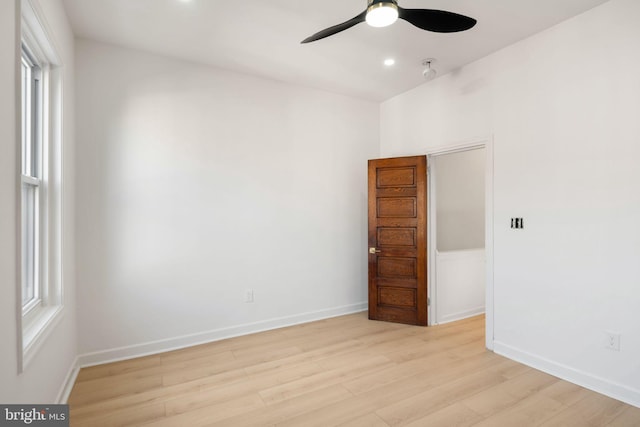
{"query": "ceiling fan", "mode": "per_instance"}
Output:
(381, 13)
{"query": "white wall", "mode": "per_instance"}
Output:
(563, 109)
(460, 199)
(45, 377)
(195, 184)
(460, 284)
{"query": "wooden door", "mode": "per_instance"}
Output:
(398, 240)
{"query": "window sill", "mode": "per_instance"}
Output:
(36, 332)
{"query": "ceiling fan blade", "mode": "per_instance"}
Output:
(438, 21)
(336, 28)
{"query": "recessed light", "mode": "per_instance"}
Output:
(389, 62)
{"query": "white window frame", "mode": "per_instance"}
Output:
(43, 176)
(31, 179)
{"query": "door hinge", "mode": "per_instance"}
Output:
(428, 301)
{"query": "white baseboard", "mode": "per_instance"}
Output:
(462, 315)
(161, 346)
(584, 379)
(69, 381)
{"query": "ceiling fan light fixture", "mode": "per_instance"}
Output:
(382, 13)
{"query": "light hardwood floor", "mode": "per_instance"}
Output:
(345, 371)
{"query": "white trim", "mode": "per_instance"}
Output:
(455, 148)
(26, 179)
(460, 253)
(488, 246)
(161, 346)
(56, 180)
(36, 333)
(67, 385)
(35, 30)
(18, 191)
(29, 309)
(592, 382)
(432, 238)
(35, 33)
(472, 144)
(454, 317)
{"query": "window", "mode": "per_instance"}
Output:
(31, 181)
(40, 123)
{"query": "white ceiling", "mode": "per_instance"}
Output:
(262, 37)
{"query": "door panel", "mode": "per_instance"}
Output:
(396, 177)
(398, 240)
(396, 267)
(390, 237)
(398, 207)
(400, 297)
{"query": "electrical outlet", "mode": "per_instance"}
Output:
(248, 295)
(612, 340)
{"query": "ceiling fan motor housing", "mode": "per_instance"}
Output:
(375, 2)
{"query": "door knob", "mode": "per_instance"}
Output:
(374, 251)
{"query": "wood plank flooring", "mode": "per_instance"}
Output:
(345, 371)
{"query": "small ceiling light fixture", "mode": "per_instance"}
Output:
(389, 62)
(428, 72)
(382, 13)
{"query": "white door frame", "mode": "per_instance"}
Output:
(487, 144)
